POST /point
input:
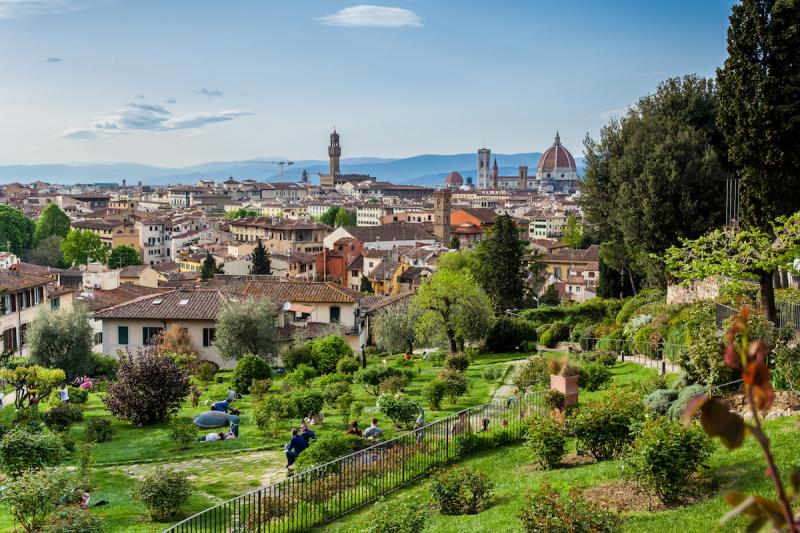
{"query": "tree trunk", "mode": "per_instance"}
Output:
(765, 280)
(630, 277)
(451, 337)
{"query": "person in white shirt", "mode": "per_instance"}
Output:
(214, 436)
(374, 432)
(63, 393)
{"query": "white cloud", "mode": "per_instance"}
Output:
(146, 117)
(21, 9)
(366, 16)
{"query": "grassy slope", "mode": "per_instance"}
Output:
(512, 471)
(221, 470)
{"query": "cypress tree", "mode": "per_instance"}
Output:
(261, 263)
(209, 267)
(501, 264)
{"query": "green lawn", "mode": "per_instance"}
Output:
(512, 471)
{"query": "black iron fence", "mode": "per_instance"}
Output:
(650, 353)
(788, 315)
(323, 493)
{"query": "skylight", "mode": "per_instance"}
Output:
(183, 302)
(157, 302)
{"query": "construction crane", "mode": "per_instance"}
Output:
(282, 164)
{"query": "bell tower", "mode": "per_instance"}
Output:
(484, 156)
(441, 215)
(334, 152)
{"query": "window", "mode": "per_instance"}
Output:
(208, 336)
(122, 335)
(10, 340)
(335, 314)
(557, 272)
(98, 337)
(55, 303)
(149, 334)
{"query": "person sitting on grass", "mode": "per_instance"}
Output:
(211, 437)
(224, 406)
(461, 425)
(353, 429)
(86, 384)
(295, 447)
(234, 430)
(307, 434)
(374, 432)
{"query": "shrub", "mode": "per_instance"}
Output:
(594, 376)
(461, 491)
(301, 376)
(164, 492)
(562, 367)
(400, 409)
(546, 441)
(559, 332)
(307, 403)
(546, 339)
(62, 415)
(785, 358)
(73, 519)
(334, 391)
(664, 455)
(468, 443)
(533, 375)
(395, 383)
(327, 448)
(546, 510)
(408, 515)
(148, 389)
(260, 387)
(554, 399)
(650, 384)
(371, 377)
(604, 357)
(457, 361)
(34, 495)
(348, 365)
(327, 351)
(632, 304)
(604, 427)
(659, 400)
(205, 371)
(510, 335)
(22, 450)
(99, 430)
(248, 368)
(456, 383)
(270, 409)
(494, 372)
(297, 354)
(182, 433)
(679, 405)
(77, 395)
(434, 392)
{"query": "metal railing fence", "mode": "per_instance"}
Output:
(654, 354)
(323, 493)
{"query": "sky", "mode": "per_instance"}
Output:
(176, 83)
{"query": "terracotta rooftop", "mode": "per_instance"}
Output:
(16, 281)
(398, 231)
(97, 299)
(36, 270)
(173, 305)
(301, 291)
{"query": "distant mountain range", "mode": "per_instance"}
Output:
(417, 170)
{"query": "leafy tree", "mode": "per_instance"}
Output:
(460, 261)
(326, 352)
(656, 176)
(247, 327)
(759, 94)
(124, 255)
(501, 259)
(393, 327)
(62, 339)
(550, 296)
(32, 383)
(22, 450)
(455, 243)
(209, 267)
(16, 230)
(176, 341)
(35, 495)
(750, 253)
(52, 221)
(240, 213)
(366, 286)
(261, 264)
(164, 492)
(453, 304)
(329, 216)
(47, 252)
(82, 246)
(345, 218)
(249, 368)
(573, 233)
(148, 389)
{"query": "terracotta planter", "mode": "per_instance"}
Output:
(567, 385)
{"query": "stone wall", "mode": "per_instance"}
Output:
(705, 289)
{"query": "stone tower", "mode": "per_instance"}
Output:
(441, 215)
(523, 177)
(484, 156)
(495, 176)
(334, 152)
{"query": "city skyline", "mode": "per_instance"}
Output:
(176, 85)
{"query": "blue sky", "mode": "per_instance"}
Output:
(183, 82)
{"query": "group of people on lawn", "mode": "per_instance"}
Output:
(304, 436)
(225, 406)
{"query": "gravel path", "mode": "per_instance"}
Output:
(506, 390)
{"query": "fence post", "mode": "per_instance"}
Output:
(403, 461)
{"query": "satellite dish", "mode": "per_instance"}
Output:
(286, 306)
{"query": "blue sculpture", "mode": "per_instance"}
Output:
(215, 419)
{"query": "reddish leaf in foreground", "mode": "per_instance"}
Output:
(731, 357)
(718, 421)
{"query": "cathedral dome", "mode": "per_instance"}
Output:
(556, 159)
(453, 179)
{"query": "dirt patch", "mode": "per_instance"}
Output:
(626, 496)
(569, 461)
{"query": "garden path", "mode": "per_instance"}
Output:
(506, 390)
